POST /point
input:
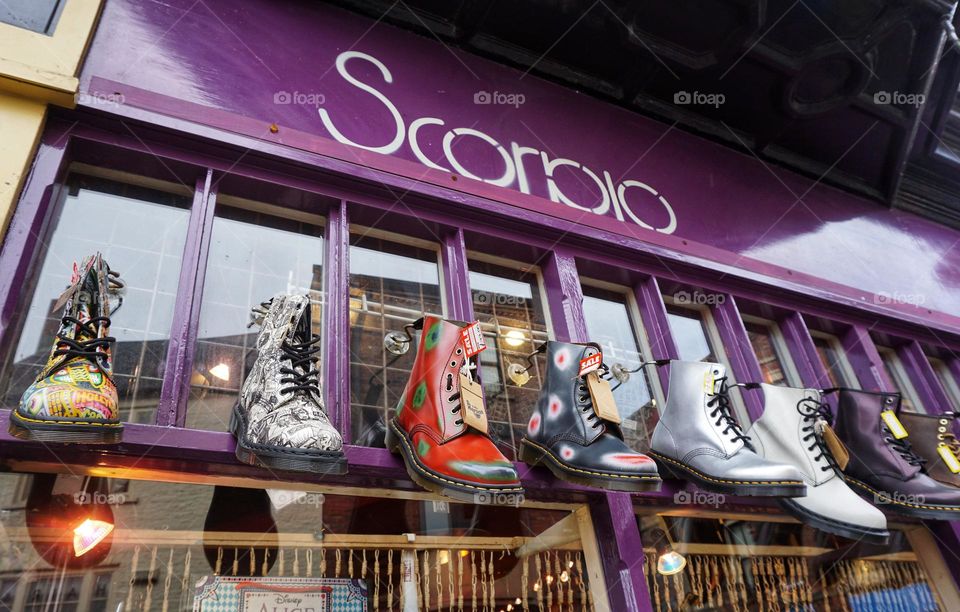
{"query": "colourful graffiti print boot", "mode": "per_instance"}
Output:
(794, 430)
(699, 440)
(566, 435)
(74, 398)
(441, 452)
(884, 468)
(279, 420)
(931, 433)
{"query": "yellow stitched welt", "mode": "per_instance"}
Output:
(722, 480)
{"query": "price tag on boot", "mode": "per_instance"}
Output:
(604, 405)
(893, 424)
(472, 407)
(948, 456)
(472, 337)
(834, 445)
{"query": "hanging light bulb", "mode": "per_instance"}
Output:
(221, 371)
(670, 562)
(88, 534)
(518, 374)
(514, 338)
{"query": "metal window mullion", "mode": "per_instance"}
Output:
(865, 360)
(336, 317)
(653, 312)
(175, 393)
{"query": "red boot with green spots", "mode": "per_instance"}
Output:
(442, 452)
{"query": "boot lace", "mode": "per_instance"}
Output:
(303, 374)
(814, 413)
(948, 437)
(586, 401)
(720, 402)
(93, 348)
(903, 447)
(460, 365)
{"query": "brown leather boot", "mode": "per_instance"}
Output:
(928, 432)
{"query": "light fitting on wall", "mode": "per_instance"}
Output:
(514, 338)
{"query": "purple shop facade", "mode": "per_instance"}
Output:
(324, 100)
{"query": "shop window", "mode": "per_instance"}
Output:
(508, 302)
(253, 256)
(688, 327)
(947, 379)
(392, 283)
(373, 552)
(776, 368)
(898, 375)
(35, 15)
(141, 233)
(739, 564)
(8, 593)
(834, 360)
(43, 592)
(612, 322)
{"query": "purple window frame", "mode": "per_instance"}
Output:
(167, 445)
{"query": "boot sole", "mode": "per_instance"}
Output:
(70, 431)
(533, 454)
(920, 511)
(282, 458)
(672, 468)
(828, 525)
(399, 444)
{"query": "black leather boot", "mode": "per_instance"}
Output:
(884, 469)
(569, 438)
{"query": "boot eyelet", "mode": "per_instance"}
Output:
(459, 351)
(453, 364)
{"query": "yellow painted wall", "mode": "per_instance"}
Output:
(36, 70)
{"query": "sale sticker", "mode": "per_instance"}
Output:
(590, 363)
(472, 337)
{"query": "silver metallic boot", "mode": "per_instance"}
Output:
(791, 431)
(699, 440)
(279, 420)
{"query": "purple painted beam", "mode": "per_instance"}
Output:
(336, 316)
(175, 393)
(653, 313)
(455, 275)
(865, 360)
(800, 344)
(564, 296)
(739, 352)
(618, 532)
(929, 389)
(29, 222)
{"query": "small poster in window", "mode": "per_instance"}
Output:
(239, 594)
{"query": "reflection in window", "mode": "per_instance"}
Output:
(891, 363)
(831, 356)
(177, 536)
(768, 356)
(690, 334)
(141, 233)
(253, 256)
(609, 324)
(38, 16)
(391, 285)
(507, 303)
(735, 564)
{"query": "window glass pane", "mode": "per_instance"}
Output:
(507, 303)
(765, 348)
(391, 284)
(891, 363)
(141, 233)
(253, 256)
(690, 334)
(736, 564)
(947, 380)
(832, 360)
(170, 539)
(35, 15)
(609, 324)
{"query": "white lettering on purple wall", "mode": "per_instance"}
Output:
(514, 175)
